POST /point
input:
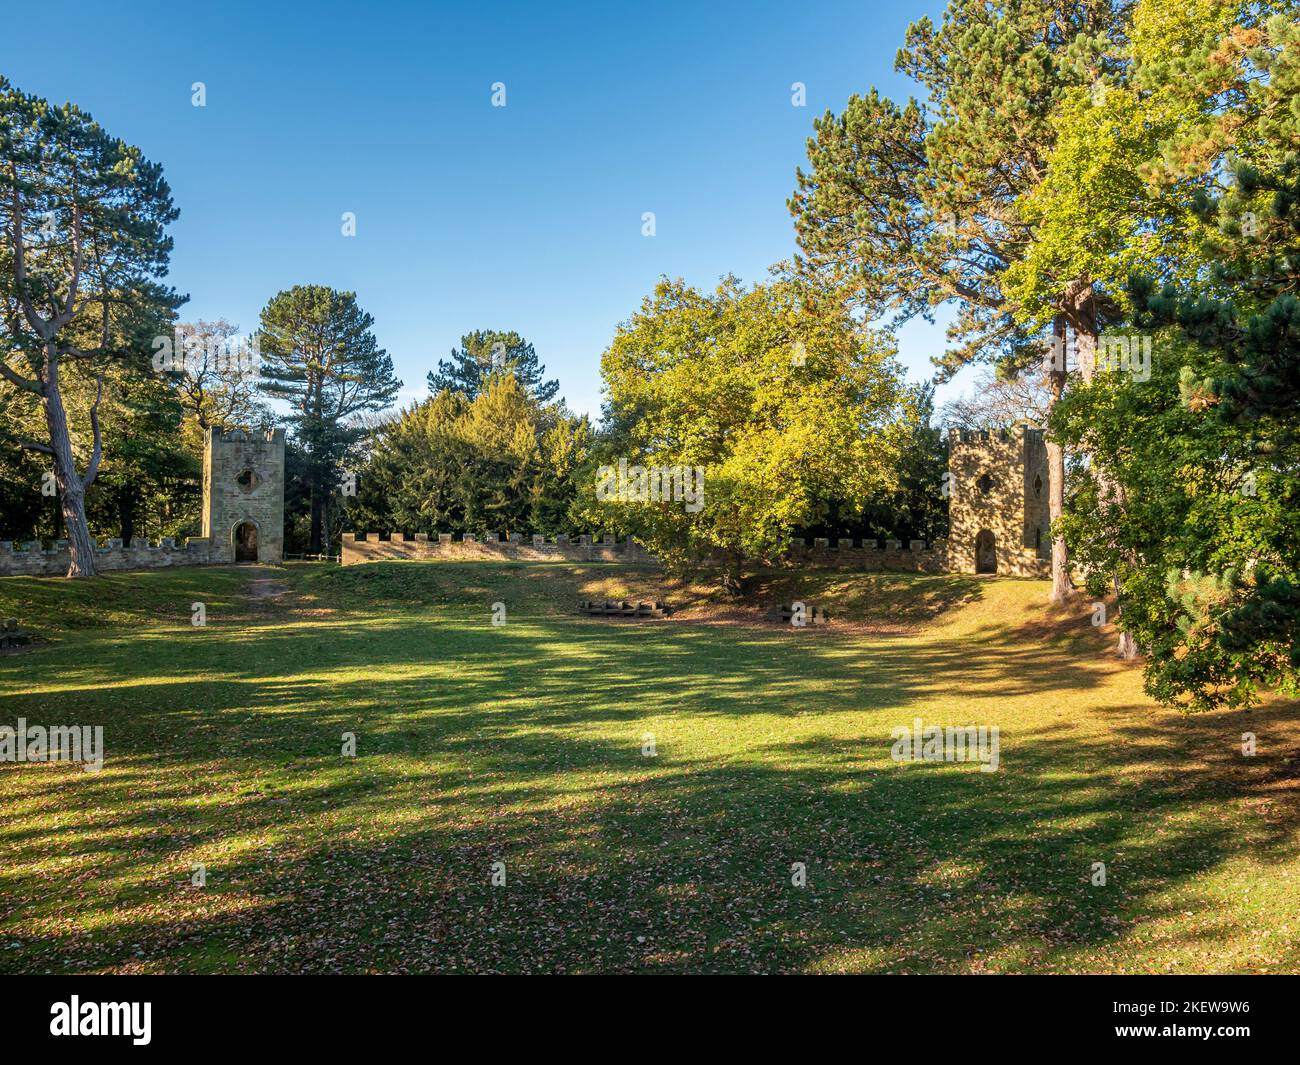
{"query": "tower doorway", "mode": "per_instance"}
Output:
(246, 542)
(986, 552)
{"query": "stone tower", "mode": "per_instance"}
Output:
(243, 495)
(997, 502)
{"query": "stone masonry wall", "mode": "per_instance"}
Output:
(850, 554)
(1038, 521)
(227, 503)
(369, 547)
(1009, 459)
(32, 560)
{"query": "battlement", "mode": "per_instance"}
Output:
(33, 559)
(373, 546)
(1006, 435)
(269, 436)
(845, 552)
(914, 556)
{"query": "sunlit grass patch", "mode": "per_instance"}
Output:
(526, 744)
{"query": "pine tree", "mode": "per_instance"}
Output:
(910, 207)
(488, 351)
(83, 242)
(319, 353)
(1204, 454)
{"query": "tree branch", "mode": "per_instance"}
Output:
(98, 451)
(20, 264)
(11, 375)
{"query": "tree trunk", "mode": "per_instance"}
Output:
(1062, 588)
(1084, 319)
(126, 517)
(731, 575)
(314, 546)
(1127, 646)
(72, 493)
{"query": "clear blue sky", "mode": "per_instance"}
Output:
(526, 217)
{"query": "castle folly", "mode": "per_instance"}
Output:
(997, 508)
(997, 502)
(243, 496)
(243, 515)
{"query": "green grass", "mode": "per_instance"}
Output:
(523, 744)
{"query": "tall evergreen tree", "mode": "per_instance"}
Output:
(907, 208)
(83, 242)
(319, 354)
(499, 463)
(488, 351)
(1203, 529)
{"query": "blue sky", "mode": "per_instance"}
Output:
(525, 217)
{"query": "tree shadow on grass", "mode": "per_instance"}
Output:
(377, 677)
(687, 867)
(522, 745)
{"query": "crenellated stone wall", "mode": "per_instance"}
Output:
(997, 498)
(850, 554)
(369, 547)
(243, 501)
(997, 506)
(33, 560)
(914, 556)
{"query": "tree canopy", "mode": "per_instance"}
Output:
(319, 354)
(784, 402)
(485, 352)
(83, 248)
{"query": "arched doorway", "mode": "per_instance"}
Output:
(986, 552)
(245, 536)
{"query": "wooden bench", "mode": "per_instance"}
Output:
(624, 609)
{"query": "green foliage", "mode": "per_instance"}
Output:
(485, 352)
(149, 481)
(92, 214)
(1140, 153)
(918, 509)
(24, 512)
(1204, 534)
(319, 354)
(1205, 538)
(907, 207)
(786, 404)
(501, 462)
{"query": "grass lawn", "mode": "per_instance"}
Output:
(522, 744)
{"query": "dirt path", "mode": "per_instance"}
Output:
(266, 586)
